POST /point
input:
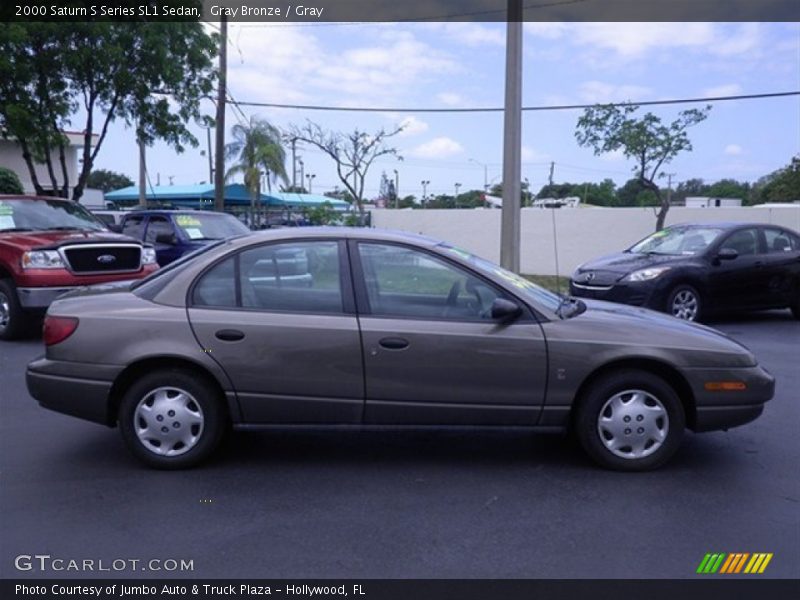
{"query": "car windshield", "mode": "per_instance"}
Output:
(209, 226)
(532, 292)
(44, 215)
(678, 240)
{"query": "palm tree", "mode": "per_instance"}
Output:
(257, 150)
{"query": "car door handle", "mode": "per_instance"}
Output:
(394, 343)
(229, 335)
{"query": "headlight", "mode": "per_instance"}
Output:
(42, 259)
(646, 274)
(148, 256)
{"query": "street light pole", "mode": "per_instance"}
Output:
(396, 189)
(310, 178)
(458, 185)
(425, 184)
(302, 171)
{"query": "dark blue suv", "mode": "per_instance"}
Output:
(178, 232)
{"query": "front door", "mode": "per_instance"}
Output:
(432, 353)
(739, 282)
(282, 324)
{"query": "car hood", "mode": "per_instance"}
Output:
(613, 267)
(28, 240)
(659, 335)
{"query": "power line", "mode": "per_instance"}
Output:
(524, 108)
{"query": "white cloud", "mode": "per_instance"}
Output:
(450, 99)
(733, 150)
(531, 155)
(601, 92)
(412, 126)
(440, 147)
(729, 89)
(613, 156)
(548, 30)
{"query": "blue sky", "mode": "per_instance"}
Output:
(462, 65)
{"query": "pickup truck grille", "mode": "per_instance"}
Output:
(103, 258)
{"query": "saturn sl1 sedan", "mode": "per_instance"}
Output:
(380, 329)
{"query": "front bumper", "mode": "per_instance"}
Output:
(648, 294)
(74, 389)
(726, 409)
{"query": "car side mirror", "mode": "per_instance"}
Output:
(166, 238)
(727, 254)
(505, 310)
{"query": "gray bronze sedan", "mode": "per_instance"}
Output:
(332, 327)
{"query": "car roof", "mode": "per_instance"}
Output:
(727, 225)
(361, 233)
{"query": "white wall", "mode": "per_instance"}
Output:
(11, 158)
(582, 233)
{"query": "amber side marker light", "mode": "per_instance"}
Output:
(57, 329)
(725, 386)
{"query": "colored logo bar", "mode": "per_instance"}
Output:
(737, 562)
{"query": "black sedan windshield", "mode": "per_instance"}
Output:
(678, 240)
(44, 215)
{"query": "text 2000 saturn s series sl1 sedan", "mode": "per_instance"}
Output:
(369, 328)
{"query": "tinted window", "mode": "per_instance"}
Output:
(745, 242)
(293, 277)
(780, 241)
(158, 226)
(134, 226)
(408, 283)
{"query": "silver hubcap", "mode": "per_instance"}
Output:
(633, 424)
(684, 305)
(168, 421)
(5, 311)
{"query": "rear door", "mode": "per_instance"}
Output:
(280, 319)
(782, 267)
(432, 354)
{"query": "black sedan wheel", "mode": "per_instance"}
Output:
(684, 303)
(630, 421)
(171, 419)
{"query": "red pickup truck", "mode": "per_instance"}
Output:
(49, 246)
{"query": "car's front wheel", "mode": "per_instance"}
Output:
(684, 302)
(172, 419)
(14, 322)
(630, 420)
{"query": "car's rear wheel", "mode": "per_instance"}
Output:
(630, 421)
(14, 322)
(684, 302)
(172, 419)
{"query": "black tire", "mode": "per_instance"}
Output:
(14, 321)
(201, 397)
(685, 302)
(642, 427)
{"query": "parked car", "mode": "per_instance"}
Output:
(395, 329)
(694, 270)
(49, 246)
(178, 232)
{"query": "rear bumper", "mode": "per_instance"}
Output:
(72, 389)
(726, 409)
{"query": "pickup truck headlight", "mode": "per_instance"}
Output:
(148, 256)
(646, 274)
(42, 259)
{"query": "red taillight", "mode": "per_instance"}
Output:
(57, 329)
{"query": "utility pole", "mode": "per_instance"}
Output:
(669, 187)
(210, 160)
(310, 178)
(219, 173)
(302, 172)
(455, 200)
(552, 168)
(425, 184)
(396, 189)
(142, 175)
(512, 140)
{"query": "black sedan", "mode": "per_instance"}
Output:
(693, 270)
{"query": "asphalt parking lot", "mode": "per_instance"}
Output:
(397, 505)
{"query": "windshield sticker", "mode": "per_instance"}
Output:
(188, 221)
(193, 233)
(5, 210)
(6, 221)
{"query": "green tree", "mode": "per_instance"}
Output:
(729, 188)
(634, 194)
(690, 187)
(108, 181)
(150, 75)
(9, 182)
(324, 214)
(652, 144)
(257, 150)
(353, 153)
(782, 185)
